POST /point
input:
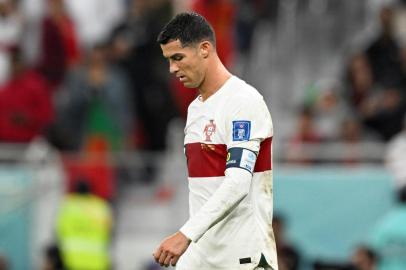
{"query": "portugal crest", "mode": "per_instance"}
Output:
(209, 130)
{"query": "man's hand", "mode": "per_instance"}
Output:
(170, 250)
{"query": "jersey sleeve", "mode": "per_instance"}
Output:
(247, 123)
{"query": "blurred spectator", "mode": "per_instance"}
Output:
(351, 134)
(388, 238)
(288, 256)
(3, 263)
(249, 14)
(96, 106)
(396, 158)
(360, 81)
(59, 46)
(329, 111)
(95, 19)
(25, 103)
(130, 33)
(10, 34)
(141, 56)
(95, 118)
(384, 113)
(222, 16)
(137, 51)
(245, 26)
(383, 53)
(364, 258)
(351, 130)
(304, 134)
(52, 259)
(84, 230)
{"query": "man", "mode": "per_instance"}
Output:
(83, 229)
(228, 150)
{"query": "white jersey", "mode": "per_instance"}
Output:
(230, 222)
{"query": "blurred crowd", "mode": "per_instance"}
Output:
(361, 107)
(366, 102)
(88, 76)
(84, 74)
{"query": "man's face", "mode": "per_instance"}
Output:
(187, 63)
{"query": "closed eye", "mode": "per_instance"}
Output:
(177, 57)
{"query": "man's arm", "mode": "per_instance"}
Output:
(234, 188)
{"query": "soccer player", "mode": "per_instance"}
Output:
(228, 138)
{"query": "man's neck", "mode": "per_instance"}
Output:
(215, 78)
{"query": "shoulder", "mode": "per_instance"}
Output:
(242, 95)
(241, 90)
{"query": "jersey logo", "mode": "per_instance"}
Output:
(241, 130)
(209, 130)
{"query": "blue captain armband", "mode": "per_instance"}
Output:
(241, 158)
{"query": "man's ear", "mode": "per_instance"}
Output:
(205, 48)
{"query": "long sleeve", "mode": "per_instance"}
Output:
(234, 188)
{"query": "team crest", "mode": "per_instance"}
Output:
(209, 130)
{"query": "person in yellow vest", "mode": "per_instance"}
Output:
(83, 230)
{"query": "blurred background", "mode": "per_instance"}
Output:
(87, 106)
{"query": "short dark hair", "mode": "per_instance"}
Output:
(189, 27)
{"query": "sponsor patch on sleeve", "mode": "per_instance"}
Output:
(241, 130)
(241, 158)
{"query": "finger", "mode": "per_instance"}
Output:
(175, 260)
(167, 260)
(162, 257)
(157, 254)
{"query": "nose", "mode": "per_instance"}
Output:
(173, 67)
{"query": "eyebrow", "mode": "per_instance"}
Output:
(175, 55)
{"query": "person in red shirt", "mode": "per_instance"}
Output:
(59, 44)
(25, 103)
